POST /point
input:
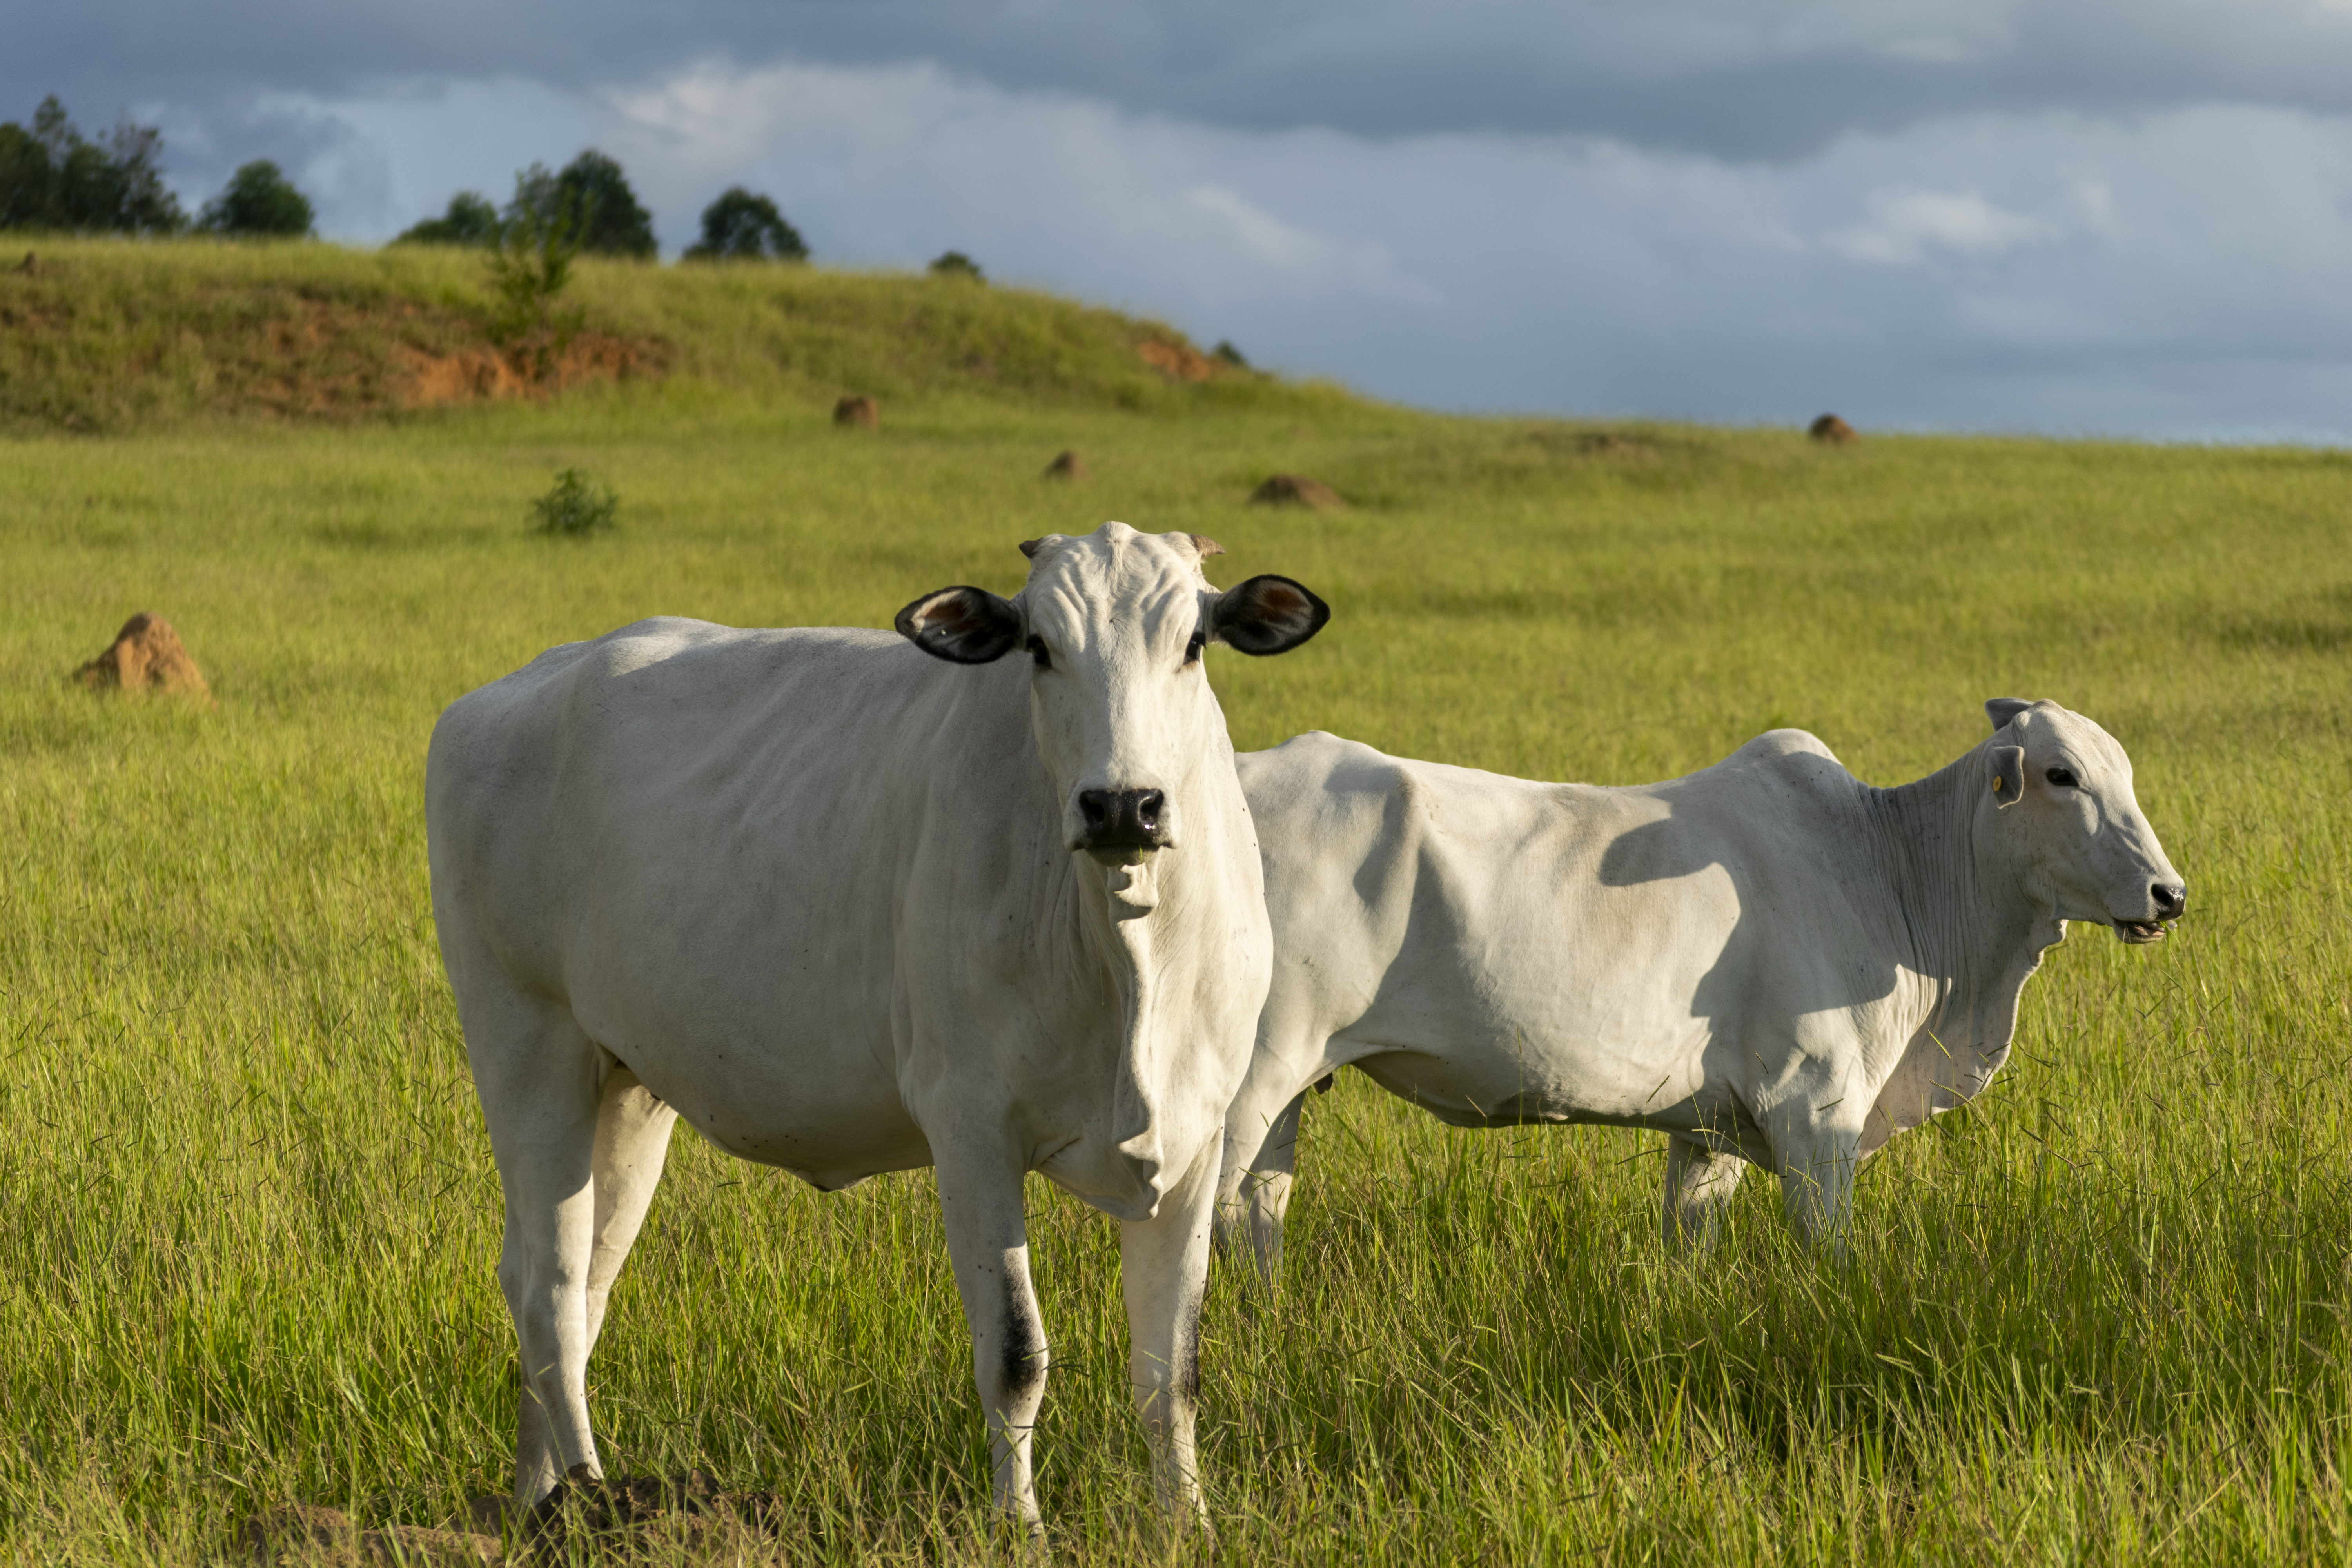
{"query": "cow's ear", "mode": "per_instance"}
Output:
(2002, 710)
(963, 625)
(1267, 615)
(2008, 774)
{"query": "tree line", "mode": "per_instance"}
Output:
(590, 205)
(53, 178)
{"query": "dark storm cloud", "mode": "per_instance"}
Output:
(1754, 79)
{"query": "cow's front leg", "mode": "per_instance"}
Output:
(1699, 1181)
(1164, 1269)
(988, 1240)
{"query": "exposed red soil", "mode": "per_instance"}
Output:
(1176, 359)
(485, 374)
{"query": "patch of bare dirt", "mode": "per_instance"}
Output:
(858, 414)
(1296, 489)
(1068, 466)
(637, 1515)
(484, 374)
(146, 656)
(1176, 359)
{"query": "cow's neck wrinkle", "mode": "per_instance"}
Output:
(1121, 936)
(1978, 947)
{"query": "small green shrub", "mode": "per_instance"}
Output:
(576, 506)
(531, 258)
(955, 264)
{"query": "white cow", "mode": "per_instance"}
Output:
(850, 908)
(1769, 960)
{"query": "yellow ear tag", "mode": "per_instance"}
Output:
(1996, 783)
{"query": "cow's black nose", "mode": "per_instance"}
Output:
(2169, 902)
(1122, 818)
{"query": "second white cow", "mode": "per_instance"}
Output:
(1769, 960)
(850, 903)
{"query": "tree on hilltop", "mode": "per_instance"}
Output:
(258, 200)
(742, 225)
(591, 195)
(52, 177)
(471, 220)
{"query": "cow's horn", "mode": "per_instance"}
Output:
(1205, 545)
(1029, 547)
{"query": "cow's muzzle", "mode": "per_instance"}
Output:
(1122, 826)
(2170, 900)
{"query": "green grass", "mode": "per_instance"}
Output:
(247, 1214)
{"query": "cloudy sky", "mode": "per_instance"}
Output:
(2128, 217)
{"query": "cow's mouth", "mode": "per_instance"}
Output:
(2137, 932)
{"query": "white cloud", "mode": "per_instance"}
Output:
(1295, 251)
(895, 164)
(1907, 226)
(1261, 233)
(2095, 200)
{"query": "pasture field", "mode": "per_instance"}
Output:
(248, 1215)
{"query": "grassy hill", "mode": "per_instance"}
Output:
(110, 335)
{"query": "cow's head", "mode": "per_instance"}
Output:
(1113, 626)
(2060, 791)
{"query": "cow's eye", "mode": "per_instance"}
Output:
(2061, 778)
(1037, 651)
(1193, 648)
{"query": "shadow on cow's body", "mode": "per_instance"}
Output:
(841, 904)
(1767, 960)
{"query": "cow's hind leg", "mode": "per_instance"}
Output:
(633, 1132)
(988, 1241)
(1261, 1160)
(1817, 1169)
(1163, 1269)
(540, 1080)
(1699, 1182)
